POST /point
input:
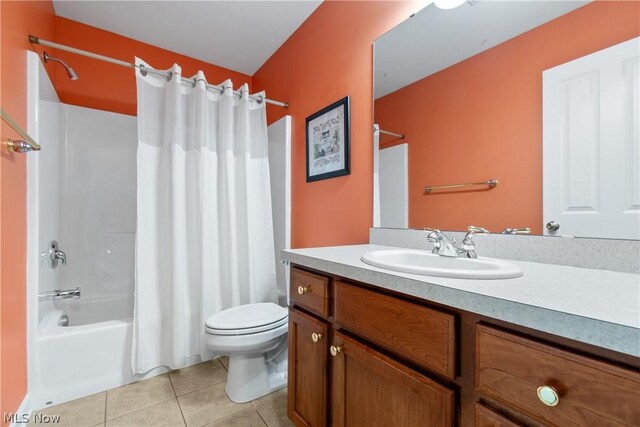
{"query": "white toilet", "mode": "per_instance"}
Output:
(254, 336)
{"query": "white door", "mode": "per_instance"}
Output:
(591, 148)
(376, 181)
(280, 174)
(394, 186)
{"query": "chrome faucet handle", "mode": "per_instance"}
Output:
(56, 255)
(468, 246)
(477, 230)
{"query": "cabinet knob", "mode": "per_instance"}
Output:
(548, 395)
(302, 290)
(334, 350)
(316, 337)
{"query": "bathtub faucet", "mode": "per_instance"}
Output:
(58, 294)
(55, 255)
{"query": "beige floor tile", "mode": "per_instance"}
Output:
(273, 408)
(132, 397)
(246, 418)
(197, 376)
(225, 362)
(87, 411)
(166, 414)
(207, 405)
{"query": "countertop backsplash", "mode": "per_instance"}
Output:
(603, 254)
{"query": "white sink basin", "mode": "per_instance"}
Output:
(423, 262)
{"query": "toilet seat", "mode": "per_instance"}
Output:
(247, 319)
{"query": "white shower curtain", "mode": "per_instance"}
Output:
(204, 229)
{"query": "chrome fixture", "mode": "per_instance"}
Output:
(64, 320)
(526, 230)
(19, 146)
(56, 255)
(468, 246)
(70, 71)
(58, 294)
(23, 145)
(553, 226)
(444, 246)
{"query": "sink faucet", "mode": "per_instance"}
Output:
(444, 246)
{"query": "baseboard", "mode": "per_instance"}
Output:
(25, 408)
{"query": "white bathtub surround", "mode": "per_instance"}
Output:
(80, 192)
(593, 306)
(204, 229)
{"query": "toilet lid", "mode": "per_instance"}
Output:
(248, 318)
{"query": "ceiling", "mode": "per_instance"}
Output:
(435, 39)
(239, 35)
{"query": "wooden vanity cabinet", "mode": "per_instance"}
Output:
(365, 356)
(367, 387)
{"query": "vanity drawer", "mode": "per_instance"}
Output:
(589, 392)
(422, 335)
(310, 290)
(486, 417)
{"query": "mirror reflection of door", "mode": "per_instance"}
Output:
(465, 88)
(591, 144)
(393, 178)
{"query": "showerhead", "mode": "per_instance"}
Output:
(70, 71)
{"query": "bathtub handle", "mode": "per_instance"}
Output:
(58, 294)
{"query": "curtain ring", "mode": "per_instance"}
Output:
(143, 70)
(260, 99)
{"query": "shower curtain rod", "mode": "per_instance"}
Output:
(37, 40)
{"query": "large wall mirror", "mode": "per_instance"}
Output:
(533, 103)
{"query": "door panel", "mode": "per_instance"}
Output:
(370, 389)
(591, 154)
(308, 370)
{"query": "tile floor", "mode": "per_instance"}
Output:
(193, 396)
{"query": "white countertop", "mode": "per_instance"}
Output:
(594, 306)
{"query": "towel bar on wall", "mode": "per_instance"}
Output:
(19, 146)
(492, 183)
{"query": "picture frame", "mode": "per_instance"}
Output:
(328, 142)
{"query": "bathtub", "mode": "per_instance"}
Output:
(90, 355)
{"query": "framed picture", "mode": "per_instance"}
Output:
(328, 142)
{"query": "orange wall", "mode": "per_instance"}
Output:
(482, 118)
(328, 57)
(18, 19)
(111, 87)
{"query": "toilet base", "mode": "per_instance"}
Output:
(248, 379)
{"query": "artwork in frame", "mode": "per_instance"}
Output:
(328, 142)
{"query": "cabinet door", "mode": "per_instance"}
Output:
(308, 370)
(371, 389)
